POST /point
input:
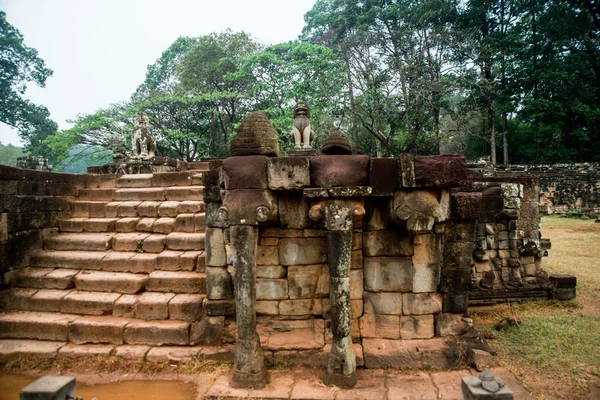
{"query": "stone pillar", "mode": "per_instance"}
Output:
(338, 215)
(250, 370)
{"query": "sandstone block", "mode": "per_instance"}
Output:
(154, 243)
(185, 241)
(427, 249)
(199, 222)
(419, 209)
(356, 284)
(186, 307)
(339, 170)
(383, 303)
(247, 172)
(426, 277)
(298, 339)
(214, 308)
(145, 225)
(100, 281)
(293, 210)
(380, 326)
(208, 331)
(271, 271)
(267, 307)
(443, 171)
(132, 352)
(388, 274)
(168, 209)
(215, 247)
(125, 209)
(267, 255)
(286, 173)
(302, 251)
(35, 325)
(421, 303)
(387, 243)
(466, 206)
(302, 281)
(177, 282)
(164, 225)
(128, 224)
(128, 241)
(417, 354)
(182, 193)
(416, 327)
(157, 333)
(190, 206)
(184, 223)
(125, 306)
(71, 350)
(97, 330)
(295, 307)
(148, 209)
(218, 283)
(384, 176)
(153, 306)
(90, 303)
(10, 349)
(271, 289)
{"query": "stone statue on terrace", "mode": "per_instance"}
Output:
(143, 144)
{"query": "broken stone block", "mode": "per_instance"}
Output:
(288, 173)
(480, 359)
(356, 260)
(208, 331)
(447, 324)
(407, 168)
(302, 251)
(416, 327)
(387, 243)
(376, 210)
(383, 303)
(419, 209)
(302, 281)
(421, 303)
(388, 274)
(339, 170)
(248, 207)
(380, 326)
(466, 206)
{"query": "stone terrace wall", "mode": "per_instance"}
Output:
(410, 257)
(31, 205)
(564, 188)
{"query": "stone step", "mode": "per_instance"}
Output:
(79, 241)
(88, 225)
(92, 329)
(70, 262)
(88, 209)
(24, 348)
(140, 194)
(35, 325)
(134, 181)
(96, 194)
(118, 282)
(41, 278)
(177, 282)
(146, 306)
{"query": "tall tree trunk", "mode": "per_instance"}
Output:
(505, 136)
(492, 132)
(354, 133)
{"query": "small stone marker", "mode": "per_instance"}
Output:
(485, 386)
(49, 388)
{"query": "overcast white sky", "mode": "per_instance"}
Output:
(99, 49)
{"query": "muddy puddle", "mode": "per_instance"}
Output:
(11, 385)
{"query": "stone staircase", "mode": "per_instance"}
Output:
(127, 267)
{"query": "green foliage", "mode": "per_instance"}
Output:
(19, 66)
(10, 153)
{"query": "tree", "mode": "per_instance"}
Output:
(10, 153)
(19, 66)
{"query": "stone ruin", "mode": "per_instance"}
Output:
(38, 163)
(334, 260)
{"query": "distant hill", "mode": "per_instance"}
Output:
(9, 154)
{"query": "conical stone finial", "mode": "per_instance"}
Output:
(255, 136)
(336, 143)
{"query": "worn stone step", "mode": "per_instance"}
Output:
(24, 348)
(79, 241)
(141, 194)
(118, 282)
(184, 241)
(47, 300)
(41, 278)
(122, 209)
(88, 225)
(89, 303)
(97, 329)
(134, 181)
(157, 333)
(67, 259)
(103, 194)
(183, 193)
(35, 325)
(177, 282)
(88, 209)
